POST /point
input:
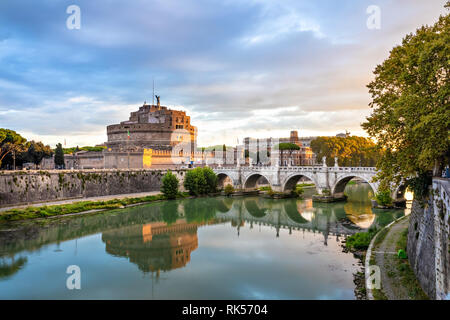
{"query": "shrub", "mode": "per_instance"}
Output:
(169, 185)
(360, 240)
(299, 191)
(383, 197)
(201, 181)
(229, 189)
(211, 179)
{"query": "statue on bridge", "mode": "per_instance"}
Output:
(324, 161)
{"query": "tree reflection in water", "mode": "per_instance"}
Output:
(7, 269)
(161, 236)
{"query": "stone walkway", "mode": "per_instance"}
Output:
(102, 198)
(386, 258)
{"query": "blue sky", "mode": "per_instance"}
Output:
(239, 68)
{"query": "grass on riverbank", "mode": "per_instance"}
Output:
(76, 207)
(360, 240)
(406, 274)
(302, 185)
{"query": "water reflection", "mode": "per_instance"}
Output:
(9, 267)
(163, 237)
(124, 229)
(155, 246)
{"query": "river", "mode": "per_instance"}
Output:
(204, 248)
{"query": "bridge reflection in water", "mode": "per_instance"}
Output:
(161, 236)
(165, 245)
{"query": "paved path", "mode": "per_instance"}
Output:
(386, 258)
(102, 198)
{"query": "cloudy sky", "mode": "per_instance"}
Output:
(239, 68)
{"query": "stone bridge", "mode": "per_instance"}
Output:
(284, 179)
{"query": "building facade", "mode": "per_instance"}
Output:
(302, 157)
(153, 136)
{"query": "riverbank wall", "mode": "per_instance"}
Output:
(428, 241)
(34, 186)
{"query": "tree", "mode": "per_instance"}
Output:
(170, 185)
(37, 151)
(10, 141)
(410, 101)
(201, 181)
(195, 182)
(287, 146)
(351, 151)
(211, 179)
(59, 156)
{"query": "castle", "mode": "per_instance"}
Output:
(149, 137)
(157, 137)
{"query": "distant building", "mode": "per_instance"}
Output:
(343, 135)
(302, 157)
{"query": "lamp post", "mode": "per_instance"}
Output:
(14, 159)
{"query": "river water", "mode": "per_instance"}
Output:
(205, 248)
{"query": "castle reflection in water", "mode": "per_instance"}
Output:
(155, 246)
(162, 246)
(161, 236)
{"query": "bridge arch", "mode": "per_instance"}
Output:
(399, 192)
(291, 181)
(253, 208)
(293, 214)
(252, 179)
(224, 179)
(341, 183)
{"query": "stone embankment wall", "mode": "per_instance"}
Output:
(428, 241)
(25, 187)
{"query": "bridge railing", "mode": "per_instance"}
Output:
(300, 168)
(352, 169)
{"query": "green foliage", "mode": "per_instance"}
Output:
(86, 148)
(351, 151)
(48, 211)
(37, 151)
(360, 240)
(211, 179)
(410, 101)
(383, 197)
(401, 254)
(298, 191)
(201, 181)
(405, 273)
(305, 185)
(420, 185)
(170, 185)
(287, 146)
(10, 141)
(59, 156)
(229, 189)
